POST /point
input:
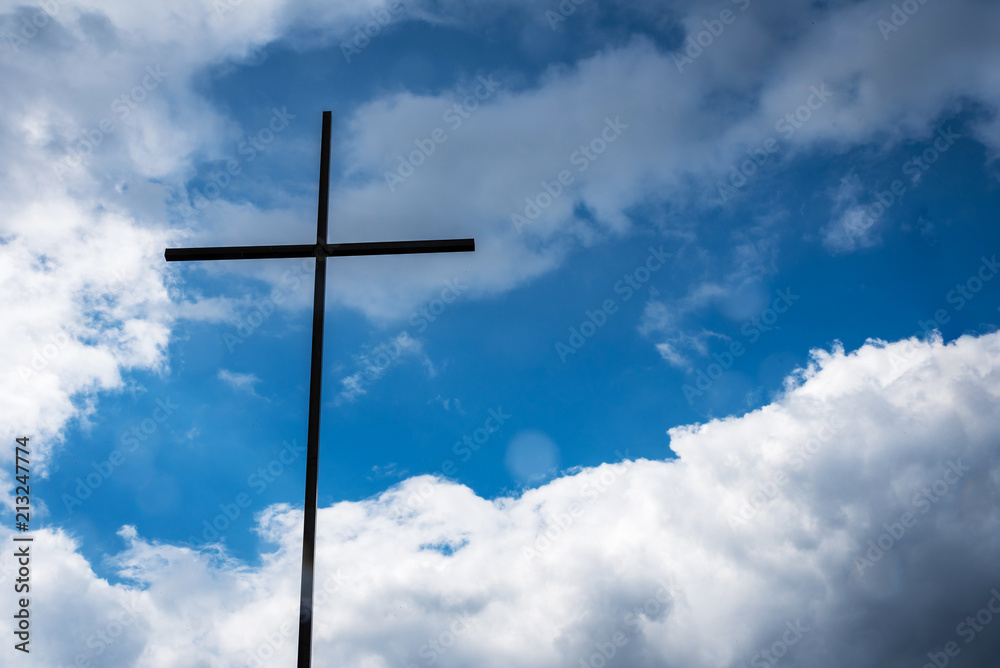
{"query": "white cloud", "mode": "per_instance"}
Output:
(448, 403)
(66, 234)
(853, 227)
(81, 308)
(243, 382)
(857, 441)
(86, 293)
(672, 356)
(87, 299)
(772, 60)
(375, 363)
(851, 230)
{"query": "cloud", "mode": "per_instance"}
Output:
(447, 404)
(375, 363)
(82, 203)
(851, 230)
(778, 531)
(102, 128)
(767, 68)
(88, 300)
(854, 227)
(671, 355)
(81, 308)
(241, 382)
(739, 297)
(390, 470)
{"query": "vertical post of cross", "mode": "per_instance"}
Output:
(315, 403)
(320, 250)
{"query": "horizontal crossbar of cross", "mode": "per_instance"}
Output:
(320, 250)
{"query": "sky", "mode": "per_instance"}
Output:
(717, 388)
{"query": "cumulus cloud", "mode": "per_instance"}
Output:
(852, 521)
(548, 578)
(70, 181)
(81, 309)
(100, 132)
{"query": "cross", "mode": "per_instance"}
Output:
(320, 250)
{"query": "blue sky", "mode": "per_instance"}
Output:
(701, 232)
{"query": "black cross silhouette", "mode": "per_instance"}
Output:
(320, 250)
